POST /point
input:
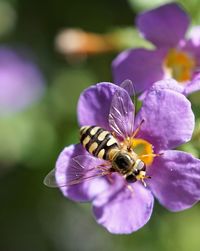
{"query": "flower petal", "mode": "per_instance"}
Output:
(164, 84)
(121, 211)
(193, 86)
(168, 119)
(94, 104)
(168, 84)
(175, 180)
(192, 44)
(164, 26)
(194, 36)
(84, 191)
(143, 67)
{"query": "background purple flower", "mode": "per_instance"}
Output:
(174, 56)
(21, 82)
(175, 174)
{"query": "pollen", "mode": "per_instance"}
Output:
(179, 65)
(144, 150)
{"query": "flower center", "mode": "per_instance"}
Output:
(143, 149)
(179, 65)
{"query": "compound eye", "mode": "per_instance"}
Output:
(131, 178)
(123, 162)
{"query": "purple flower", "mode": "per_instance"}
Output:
(174, 56)
(21, 82)
(175, 175)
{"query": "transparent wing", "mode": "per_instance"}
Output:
(129, 87)
(50, 179)
(81, 168)
(122, 112)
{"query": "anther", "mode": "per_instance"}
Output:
(150, 155)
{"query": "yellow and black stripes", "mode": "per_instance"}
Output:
(97, 141)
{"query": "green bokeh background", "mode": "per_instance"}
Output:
(32, 216)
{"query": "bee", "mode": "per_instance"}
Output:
(107, 152)
(102, 144)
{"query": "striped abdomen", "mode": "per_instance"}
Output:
(98, 141)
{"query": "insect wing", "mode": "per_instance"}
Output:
(81, 168)
(122, 112)
(129, 87)
(50, 179)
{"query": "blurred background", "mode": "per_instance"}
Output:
(43, 69)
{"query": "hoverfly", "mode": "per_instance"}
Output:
(107, 152)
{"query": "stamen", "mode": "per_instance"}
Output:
(179, 65)
(144, 150)
(150, 155)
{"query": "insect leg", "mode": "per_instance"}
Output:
(128, 186)
(103, 167)
(114, 134)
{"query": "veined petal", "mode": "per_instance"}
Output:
(86, 190)
(164, 26)
(121, 211)
(94, 104)
(168, 84)
(143, 67)
(175, 180)
(168, 119)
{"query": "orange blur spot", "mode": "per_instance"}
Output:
(79, 42)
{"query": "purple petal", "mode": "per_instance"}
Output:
(164, 26)
(162, 85)
(84, 191)
(193, 85)
(121, 211)
(192, 44)
(94, 104)
(175, 180)
(194, 35)
(143, 67)
(168, 119)
(168, 84)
